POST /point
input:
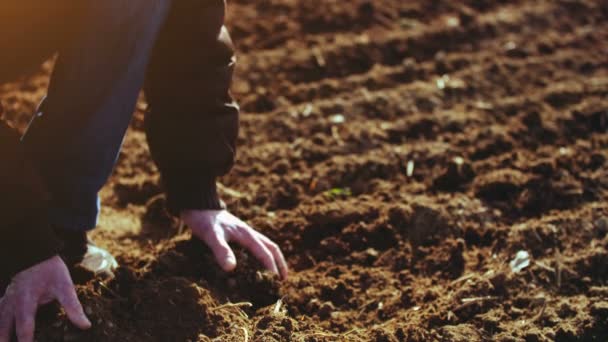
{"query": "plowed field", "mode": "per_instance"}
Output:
(401, 153)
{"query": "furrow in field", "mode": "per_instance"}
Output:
(282, 22)
(535, 48)
(357, 54)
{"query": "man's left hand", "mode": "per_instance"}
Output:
(218, 227)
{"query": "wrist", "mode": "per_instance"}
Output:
(54, 262)
(189, 215)
(191, 192)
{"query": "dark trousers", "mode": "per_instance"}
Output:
(106, 51)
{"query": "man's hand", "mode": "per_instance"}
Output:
(41, 284)
(218, 227)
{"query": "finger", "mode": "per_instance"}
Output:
(222, 251)
(279, 258)
(6, 321)
(73, 309)
(250, 241)
(25, 323)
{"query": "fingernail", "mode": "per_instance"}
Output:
(230, 262)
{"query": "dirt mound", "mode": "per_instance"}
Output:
(402, 153)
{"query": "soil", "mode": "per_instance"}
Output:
(401, 153)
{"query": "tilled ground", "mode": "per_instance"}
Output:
(402, 153)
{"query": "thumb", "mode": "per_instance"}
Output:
(222, 252)
(70, 303)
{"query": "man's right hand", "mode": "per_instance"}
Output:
(41, 284)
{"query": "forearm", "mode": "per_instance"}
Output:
(193, 122)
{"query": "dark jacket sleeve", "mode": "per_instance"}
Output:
(192, 121)
(26, 236)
